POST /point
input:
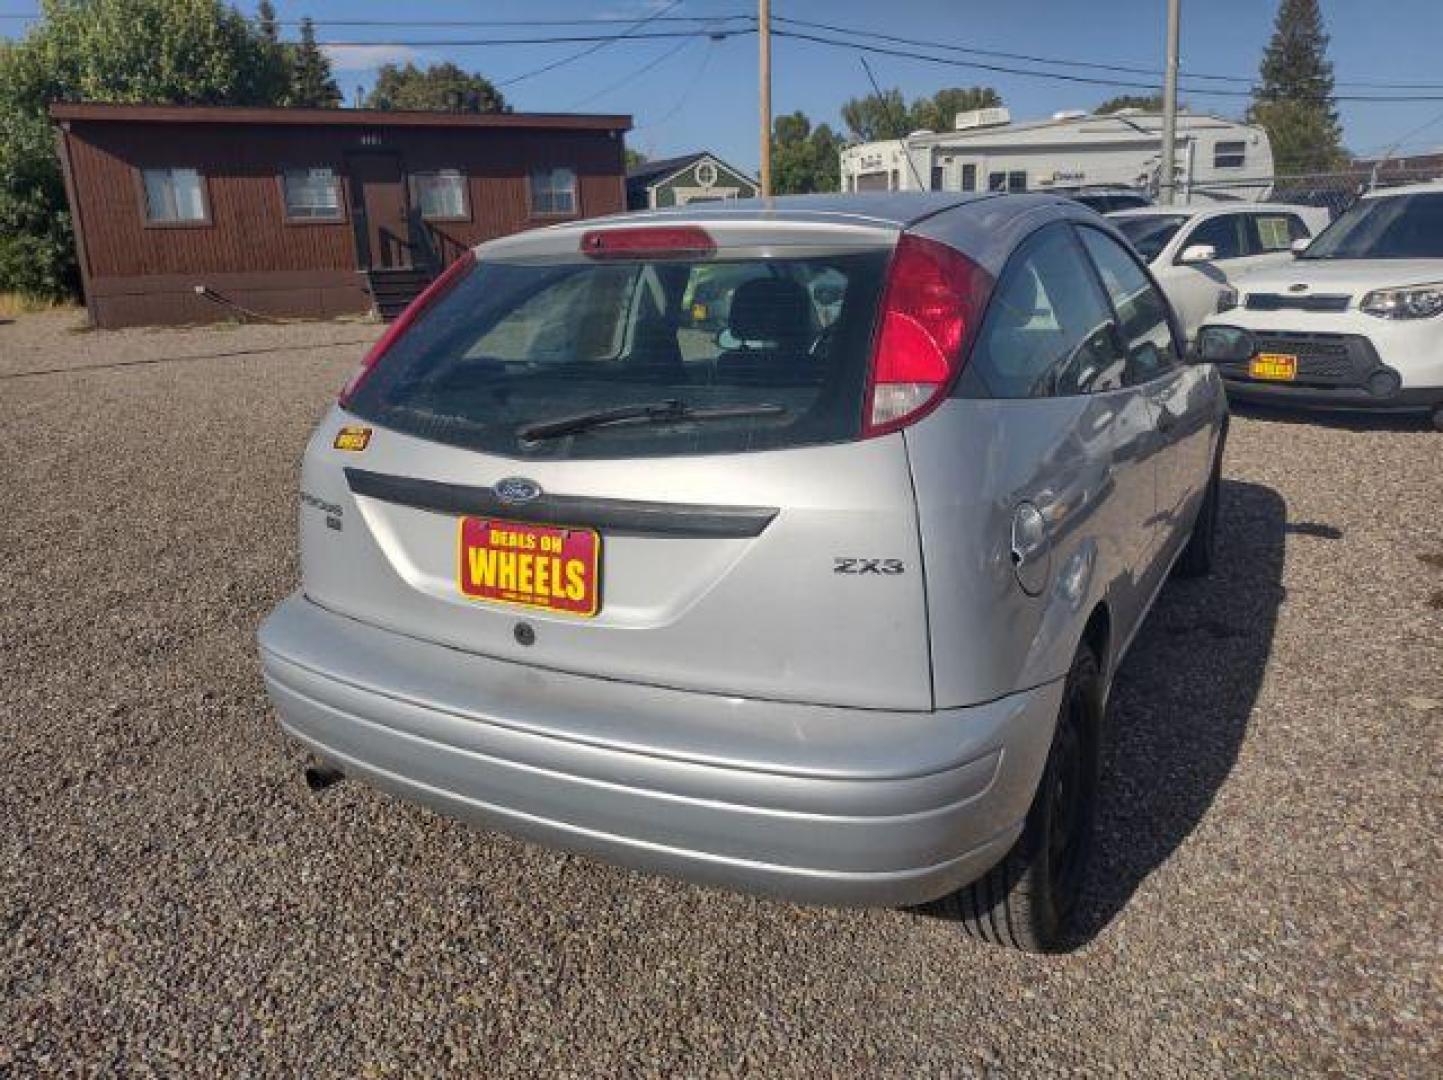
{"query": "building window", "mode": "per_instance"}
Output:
(997, 181)
(939, 178)
(1229, 155)
(969, 177)
(553, 191)
(441, 195)
(706, 174)
(312, 194)
(174, 196)
(1017, 182)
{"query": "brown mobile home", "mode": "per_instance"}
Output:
(183, 214)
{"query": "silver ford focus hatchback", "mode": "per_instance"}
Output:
(784, 545)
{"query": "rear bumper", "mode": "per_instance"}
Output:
(814, 803)
(1416, 399)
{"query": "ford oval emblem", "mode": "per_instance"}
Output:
(517, 489)
(1301, 286)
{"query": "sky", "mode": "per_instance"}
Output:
(695, 94)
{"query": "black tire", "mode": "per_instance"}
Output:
(1438, 418)
(1196, 560)
(1026, 901)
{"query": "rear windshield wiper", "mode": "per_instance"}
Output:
(656, 412)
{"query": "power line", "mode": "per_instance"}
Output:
(631, 31)
(881, 50)
(595, 20)
(685, 94)
(619, 83)
(600, 40)
(1067, 62)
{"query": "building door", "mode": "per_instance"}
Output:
(378, 210)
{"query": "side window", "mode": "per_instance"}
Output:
(1274, 232)
(1141, 308)
(1048, 330)
(1229, 155)
(1224, 233)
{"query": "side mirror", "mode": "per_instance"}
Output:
(1223, 345)
(1198, 253)
(1300, 245)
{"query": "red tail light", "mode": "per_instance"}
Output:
(651, 241)
(433, 292)
(930, 307)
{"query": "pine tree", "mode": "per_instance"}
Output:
(273, 68)
(1294, 97)
(312, 85)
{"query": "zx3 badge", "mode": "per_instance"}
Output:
(842, 565)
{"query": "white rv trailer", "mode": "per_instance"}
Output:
(1215, 158)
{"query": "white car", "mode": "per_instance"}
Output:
(1356, 322)
(1194, 252)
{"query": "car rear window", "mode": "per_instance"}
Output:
(1150, 233)
(1385, 227)
(513, 345)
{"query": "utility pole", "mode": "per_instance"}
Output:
(764, 38)
(1168, 176)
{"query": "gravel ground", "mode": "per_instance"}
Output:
(172, 899)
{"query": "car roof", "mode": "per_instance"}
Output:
(985, 225)
(1206, 211)
(896, 208)
(1425, 186)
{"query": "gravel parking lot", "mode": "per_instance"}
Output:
(173, 899)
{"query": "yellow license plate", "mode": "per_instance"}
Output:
(1281, 367)
(552, 567)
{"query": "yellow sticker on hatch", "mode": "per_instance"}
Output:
(352, 438)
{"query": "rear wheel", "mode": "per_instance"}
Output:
(1026, 900)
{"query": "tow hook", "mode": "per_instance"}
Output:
(320, 777)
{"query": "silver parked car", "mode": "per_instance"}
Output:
(823, 602)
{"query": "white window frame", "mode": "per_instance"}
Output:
(421, 178)
(544, 191)
(173, 213)
(312, 213)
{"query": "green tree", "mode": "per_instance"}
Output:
(877, 116)
(634, 158)
(888, 116)
(189, 52)
(939, 112)
(804, 159)
(438, 88)
(274, 62)
(312, 84)
(1294, 98)
(1145, 102)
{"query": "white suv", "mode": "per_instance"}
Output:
(1356, 322)
(1195, 252)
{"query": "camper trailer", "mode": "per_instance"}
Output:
(1215, 159)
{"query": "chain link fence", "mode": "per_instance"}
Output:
(1336, 191)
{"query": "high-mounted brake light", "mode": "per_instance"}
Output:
(930, 307)
(433, 292)
(654, 241)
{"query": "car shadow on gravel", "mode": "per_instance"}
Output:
(1182, 700)
(1341, 420)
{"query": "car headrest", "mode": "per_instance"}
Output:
(770, 309)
